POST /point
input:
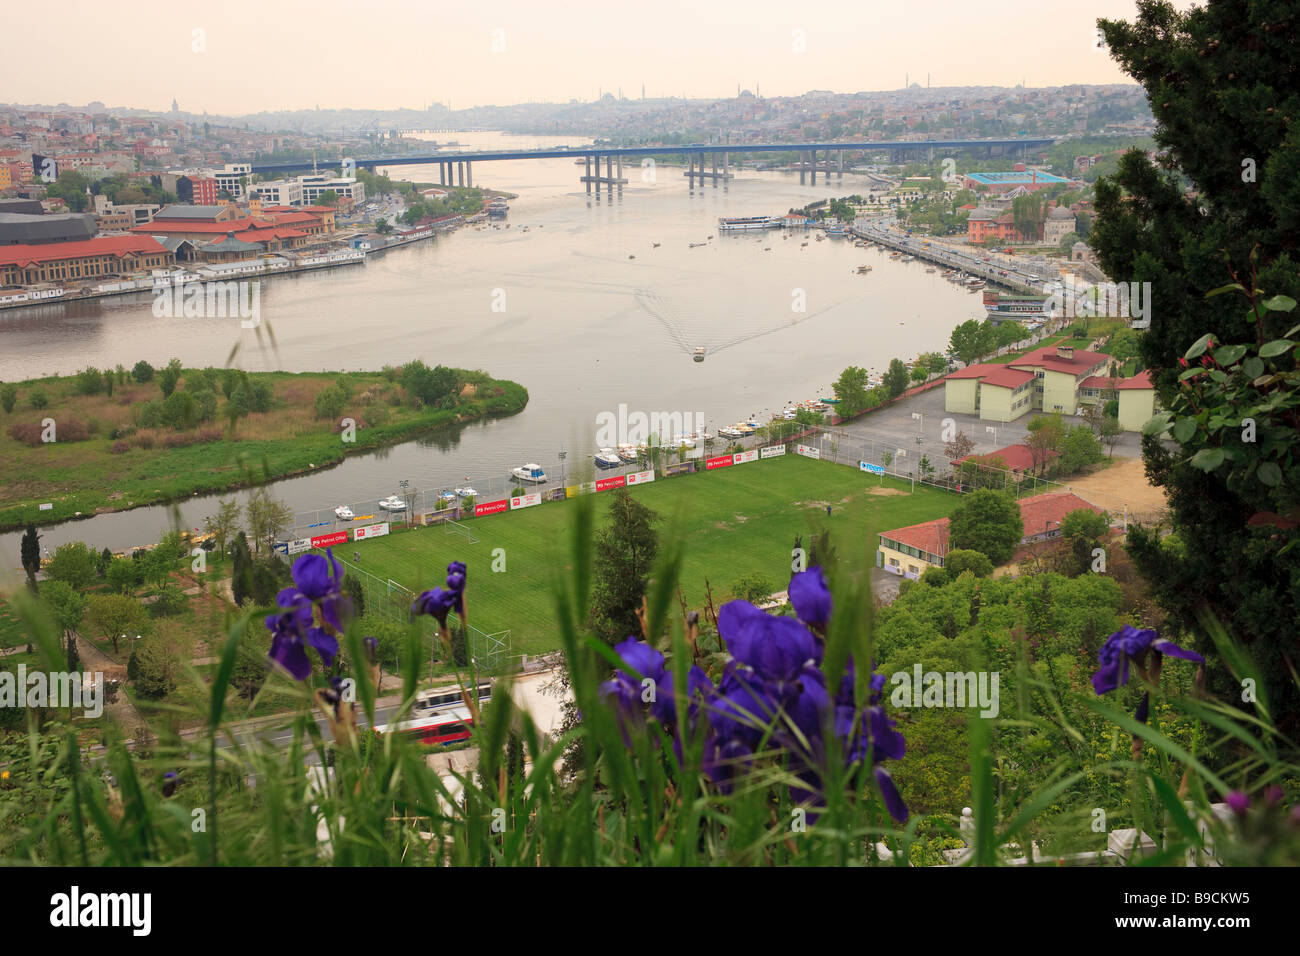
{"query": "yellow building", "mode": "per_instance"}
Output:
(908, 551)
(1137, 401)
(1049, 379)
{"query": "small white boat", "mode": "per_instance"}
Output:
(531, 472)
(731, 431)
(466, 492)
(393, 503)
(608, 458)
(628, 452)
(698, 354)
(448, 496)
(344, 513)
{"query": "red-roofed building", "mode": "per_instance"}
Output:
(1049, 379)
(1137, 401)
(74, 261)
(909, 551)
(1017, 459)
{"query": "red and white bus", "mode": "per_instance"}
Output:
(451, 726)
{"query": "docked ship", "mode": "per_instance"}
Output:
(1016, 306)
(749, 222)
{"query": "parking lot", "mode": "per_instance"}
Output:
(893, 427)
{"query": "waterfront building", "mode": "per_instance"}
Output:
(70, 261)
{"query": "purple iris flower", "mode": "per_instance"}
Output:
(292, 634)
(893, 799)
(727, 760)
(1237, 802)
(1131, 643)
(743, 708)
(318, 580)
(777, 648)
(626, 689)
(811, 597)
(437, 603)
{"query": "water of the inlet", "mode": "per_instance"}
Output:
(598, 302)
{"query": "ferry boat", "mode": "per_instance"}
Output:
(698, 354)
(608, 458)
(836, 232)
(748, 222)
(531, 472)
(1016, 306)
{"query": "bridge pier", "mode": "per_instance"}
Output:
(803, 168)
(726, 170)
(592, 176)
(469, 174)
(839, 173)
(714, 157)
(813, 168)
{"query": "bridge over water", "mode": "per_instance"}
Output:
(458, 166)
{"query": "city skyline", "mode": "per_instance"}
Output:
(518, 54)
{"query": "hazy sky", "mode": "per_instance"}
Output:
(394, 53)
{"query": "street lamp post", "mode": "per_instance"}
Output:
(562, 457)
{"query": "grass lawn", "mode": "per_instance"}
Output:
(737, 522)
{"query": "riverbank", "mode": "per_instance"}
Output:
(65, 454)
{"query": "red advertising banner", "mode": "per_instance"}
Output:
(328, 540)
(604, 483)
(492, 507)
(722, 461)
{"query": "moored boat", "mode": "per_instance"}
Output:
(531, 472)
(734, 223)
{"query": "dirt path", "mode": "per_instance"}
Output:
(1124, 482)
(122, 709)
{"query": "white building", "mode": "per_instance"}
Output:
(316, 183)
(277, 192)
(229, 176)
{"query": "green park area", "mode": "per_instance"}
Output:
(737, 524)
(113, 439)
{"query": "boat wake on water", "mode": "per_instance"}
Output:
(690, 336)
